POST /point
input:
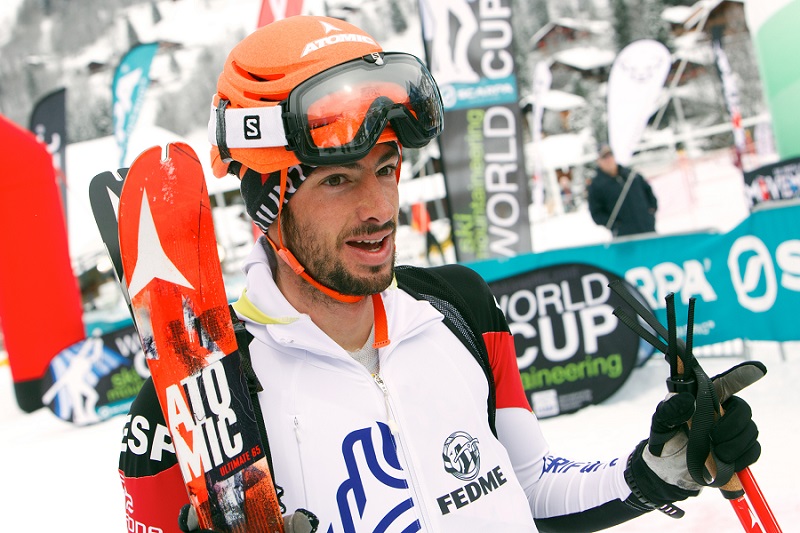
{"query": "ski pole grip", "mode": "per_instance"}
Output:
(733, 488)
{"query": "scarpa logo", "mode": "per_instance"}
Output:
(755, 282)
(461, 456)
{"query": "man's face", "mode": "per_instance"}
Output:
(341, 223)
(608, 164)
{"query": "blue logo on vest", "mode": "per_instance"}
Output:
(359, 446)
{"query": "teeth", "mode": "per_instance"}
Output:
(370, 242)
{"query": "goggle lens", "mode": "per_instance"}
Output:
(338, 115)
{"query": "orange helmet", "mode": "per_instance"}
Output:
(317, 90)
(263, 68)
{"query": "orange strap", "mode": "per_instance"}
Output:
(378, 310)
(381, 326)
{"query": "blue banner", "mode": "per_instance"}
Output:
(49, 124)
(127, 92)
(746, 282)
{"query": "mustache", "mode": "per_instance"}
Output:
(368, 228)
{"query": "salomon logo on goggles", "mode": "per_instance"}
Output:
(338, 115)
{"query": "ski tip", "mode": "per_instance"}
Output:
(173, 149)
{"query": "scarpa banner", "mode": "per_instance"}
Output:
(469, 46)
(49, 124)
(778, 181)
(571, 349)
(127, 92)
(746, 282)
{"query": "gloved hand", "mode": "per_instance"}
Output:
(657, 472)
(301, 521)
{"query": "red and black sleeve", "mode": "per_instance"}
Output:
(150, 474)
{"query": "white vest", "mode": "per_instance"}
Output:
(410, 451)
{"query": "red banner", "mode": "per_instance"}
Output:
(272, 10)
(40, 303)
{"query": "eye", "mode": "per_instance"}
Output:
(388, 170)
(333, 180)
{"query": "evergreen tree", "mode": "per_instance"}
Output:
(650, 25)
(399, 23)
(155, 13)
(621, 23)
(528, 17)
(133, 37)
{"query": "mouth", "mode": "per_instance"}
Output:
(369, 245)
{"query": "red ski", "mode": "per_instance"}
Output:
(174, 278)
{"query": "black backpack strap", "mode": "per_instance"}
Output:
(243, 339)
(427, 284)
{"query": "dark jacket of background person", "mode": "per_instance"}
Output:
(637, 213)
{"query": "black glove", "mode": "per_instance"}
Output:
(657, 472)
(301, 521)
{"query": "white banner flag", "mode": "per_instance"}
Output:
(634, 84)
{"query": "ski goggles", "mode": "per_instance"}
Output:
(338, 115)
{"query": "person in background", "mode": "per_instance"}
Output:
(620, 199)
(390, 394)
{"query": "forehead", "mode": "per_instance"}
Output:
(379, 154)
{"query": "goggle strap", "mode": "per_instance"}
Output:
(251, 127)
(218, 114)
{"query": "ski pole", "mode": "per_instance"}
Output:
(732, 490)
(758, 501)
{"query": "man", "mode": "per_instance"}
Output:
(379, 415)
(613, 184)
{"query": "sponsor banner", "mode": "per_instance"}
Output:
(49, 124)
(127, 92)
(730, 91)
(634, 84)
(96, 378)
(778, 181)
(571, 349)
(470, 55)
(542, 80)
(746, 282)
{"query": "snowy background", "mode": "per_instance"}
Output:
(63, 478)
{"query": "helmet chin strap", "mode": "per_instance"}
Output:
(379, 312)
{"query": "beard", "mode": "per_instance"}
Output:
(322, 263)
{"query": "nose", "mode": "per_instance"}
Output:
(378, 200)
